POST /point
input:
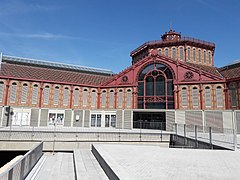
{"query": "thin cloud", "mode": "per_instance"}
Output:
(37, 35)
(13, 7)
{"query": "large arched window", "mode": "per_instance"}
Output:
(155, 87)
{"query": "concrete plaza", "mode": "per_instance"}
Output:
(130, 162)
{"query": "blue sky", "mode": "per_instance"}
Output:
(101, 33)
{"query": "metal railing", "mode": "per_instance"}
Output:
(140, 131)
(21, 168)
(222, 137)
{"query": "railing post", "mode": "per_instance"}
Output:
(175, 124)
(210, 137)
(234, 139)
(184, 132)
(196, 141)
(140, 131)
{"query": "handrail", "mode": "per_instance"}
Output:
(21, 168)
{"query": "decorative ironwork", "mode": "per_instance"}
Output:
(188, 75)
(124, 79)
(154, 99)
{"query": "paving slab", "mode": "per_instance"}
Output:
(153, 162)
(57, 166)
(87, 167)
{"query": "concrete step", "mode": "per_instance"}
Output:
(86, 166)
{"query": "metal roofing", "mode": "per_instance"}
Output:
(17, 60)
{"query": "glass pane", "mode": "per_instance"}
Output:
(149, 86)
(113, 120)
(170, 88)
(168, 73)
(140, 88)
(99, 120)
(145, 71)
(93, 120)
(107, 120)
(140, 103)
(160, 86)
(160, 67)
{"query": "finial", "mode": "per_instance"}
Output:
(171, 26)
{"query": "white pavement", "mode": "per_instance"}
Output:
(138, 162)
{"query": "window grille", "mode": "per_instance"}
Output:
(65, 96)
(111, 99)
(75, 97)
(195, 97)
(103, 98)
(35, 94)
(93, 102)
(24, 93)
(181, 53)
(219, 96)
(184, 97)
(85, 96)
(46, 94)
(208, 96)
(120, 98)
(56, 96)
(13, 93)
(129, 98)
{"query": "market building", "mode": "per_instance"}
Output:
(170, 80)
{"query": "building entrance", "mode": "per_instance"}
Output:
(149, 120)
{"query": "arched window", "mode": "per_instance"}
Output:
(56, 95)
(65, 96)
(85, 96)
(219, 96)
(120, 98)
(35, 94)
(188, 54)
(207, 96)
(199, 55)
(159, 51)
(1, 91)
(13, 92)
(233, 94)
(166, 52)
(103, 98)
(194, 54)
(46, 95)
(75, 97)
(195, 96)
(184, 97)
(129, 98)
(93, 101)
(181, 53)
(24, 93)
(174, 53)
(204, 56)
(155, 87)
(111, 99)
(209, 57)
